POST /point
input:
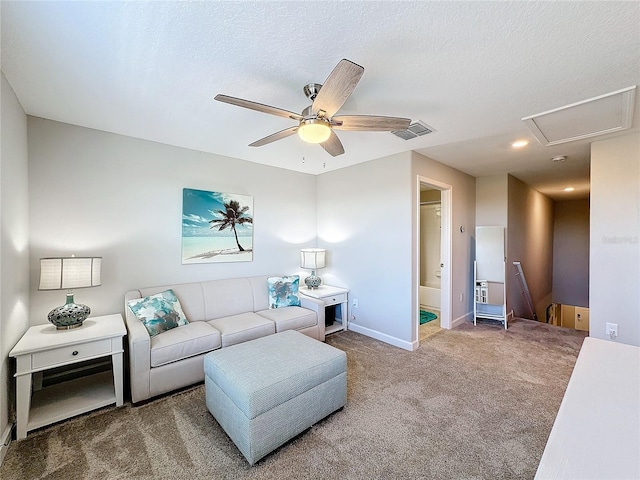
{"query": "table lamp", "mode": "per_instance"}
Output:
(68, 273)
(312, 258)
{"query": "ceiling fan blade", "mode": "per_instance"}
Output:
(337, 88)
(333, 145)
(275, 136)
(258, 107)
(369, 123)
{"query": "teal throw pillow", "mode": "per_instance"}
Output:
(159, 312)
(283, 291)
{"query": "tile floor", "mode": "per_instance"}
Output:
(432, 327)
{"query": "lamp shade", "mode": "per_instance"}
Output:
(69, 272)
(312, 258)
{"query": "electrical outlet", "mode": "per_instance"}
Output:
(355, 303)
(612, 330)
(462, 297)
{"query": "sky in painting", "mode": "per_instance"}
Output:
(200, 206)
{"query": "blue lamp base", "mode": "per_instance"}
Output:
(70, 315)
(313, 281)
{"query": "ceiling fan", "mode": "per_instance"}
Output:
(316, 123)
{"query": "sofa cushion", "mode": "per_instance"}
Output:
(283, 291)
(224, 298)
(184, 342)
(240, 328)
(290, 318)
(189, 294)
(260, 293)
(159, 312)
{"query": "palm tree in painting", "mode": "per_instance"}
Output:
(232, 216)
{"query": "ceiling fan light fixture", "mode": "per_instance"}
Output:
(315, 130)
(317, 121)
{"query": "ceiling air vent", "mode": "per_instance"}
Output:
(416, 129)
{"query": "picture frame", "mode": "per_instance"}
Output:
(216, 227)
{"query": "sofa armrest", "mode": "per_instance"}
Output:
(317, 306)
(139, 352)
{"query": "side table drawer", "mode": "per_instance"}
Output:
(72, 353)
(335, 299)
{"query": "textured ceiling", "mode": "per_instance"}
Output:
(470, 70)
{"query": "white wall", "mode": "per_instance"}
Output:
(463, 204)
(364, 222)
(614, 261)
(14, 249)
(96, 193)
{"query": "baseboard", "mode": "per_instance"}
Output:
(396, 342)
(5, 441)
(460, 320)
(383, 337)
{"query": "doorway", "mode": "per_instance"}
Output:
(433, 265)
(430, 260)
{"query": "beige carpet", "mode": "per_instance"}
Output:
(471, 403)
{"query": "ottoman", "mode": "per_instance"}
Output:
(266, 391)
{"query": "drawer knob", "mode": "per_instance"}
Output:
(74, 353)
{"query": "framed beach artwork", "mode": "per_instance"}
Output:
(216, 227)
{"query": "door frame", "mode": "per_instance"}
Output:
(446, 239)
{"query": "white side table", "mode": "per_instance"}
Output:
(331, 296)
(43, 347)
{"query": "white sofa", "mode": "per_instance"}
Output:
(220, 313)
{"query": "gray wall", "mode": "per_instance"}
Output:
(571, 253)
(492, 200)
(97, 193)
(463, 189)
(614, 259)
(367, 221)
(14, 246)
(503, 200)
(529, 241)
(364, 222)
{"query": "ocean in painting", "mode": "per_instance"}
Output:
(216, 249)
(210, 221)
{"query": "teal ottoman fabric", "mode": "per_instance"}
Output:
(266, 391)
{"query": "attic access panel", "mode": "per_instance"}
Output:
(607, 113)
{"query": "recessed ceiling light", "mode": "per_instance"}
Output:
(520, 143)
(569, 189)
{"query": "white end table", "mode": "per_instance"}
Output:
(331, 296)
(44, 347)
